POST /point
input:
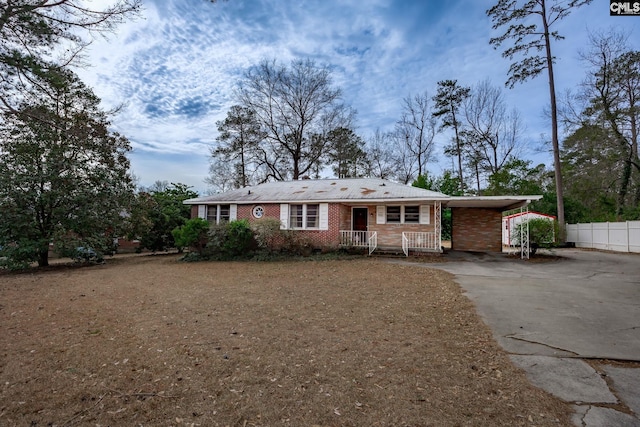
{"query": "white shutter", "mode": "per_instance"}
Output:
(381, 214)
(233, 212)
(425, 214)
(202, 211)
(324, 216)
(284, 216)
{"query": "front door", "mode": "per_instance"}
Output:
(360, 219)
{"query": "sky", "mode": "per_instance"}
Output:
(174, 69)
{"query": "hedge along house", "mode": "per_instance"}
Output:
(369, 213)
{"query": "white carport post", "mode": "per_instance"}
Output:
(524, 233)
(437, 213)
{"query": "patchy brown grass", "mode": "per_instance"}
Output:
(153, 341)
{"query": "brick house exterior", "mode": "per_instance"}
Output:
(475, 229)
(368, 213)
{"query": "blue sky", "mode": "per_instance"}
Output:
(174, 69)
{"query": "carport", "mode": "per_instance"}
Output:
(477, 222)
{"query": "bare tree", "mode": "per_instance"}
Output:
(528, 37)
(380, 155)
(418, 127)
(221, 175)
(612, 95)
(492, 130)
(297, 107)
(405, 164)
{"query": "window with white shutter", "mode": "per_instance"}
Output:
(425, 214)
(284, 216)
(305, 216)
(381, 214)
(324, 216)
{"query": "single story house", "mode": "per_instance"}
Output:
(365, 212)
(510, 225)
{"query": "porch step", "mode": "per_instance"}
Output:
(388, 253)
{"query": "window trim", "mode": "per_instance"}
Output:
(423, 214)
(305, 216)
(417, 214)
(322, 218)
(217, 218)
(399, 214)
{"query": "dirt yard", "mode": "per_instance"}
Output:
(151, 341)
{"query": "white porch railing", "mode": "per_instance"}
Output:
(405, 245)
(373, 242)
(359, 239)
(419, 240)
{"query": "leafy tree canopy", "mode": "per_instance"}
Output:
(31, 32)
(64, 176)
(165, 212)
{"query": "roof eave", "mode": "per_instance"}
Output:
(344, 201)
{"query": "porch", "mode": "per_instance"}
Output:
(409, 241)
(410, 227)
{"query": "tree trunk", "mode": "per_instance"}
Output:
(43, 257)
(554, 128)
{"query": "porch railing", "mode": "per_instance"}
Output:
(405, 244)
(425, 241)
(419, 240)
(373, 242)
(359, 239)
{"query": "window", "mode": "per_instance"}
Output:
(409, 214)
(393, 214)
(312, 216)
(218, 213)
(212, 213)
(225, 213)
(412, 214)
(304, 216)
(295, 216)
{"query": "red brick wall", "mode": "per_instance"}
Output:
(389, 235)
(325, 239)
(476, 230)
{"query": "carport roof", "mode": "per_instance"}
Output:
(492, 202)
(354, 191)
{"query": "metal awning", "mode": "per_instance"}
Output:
(503, 203)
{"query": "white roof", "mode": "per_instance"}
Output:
(354, 190)
(322, 190)
(491, 202)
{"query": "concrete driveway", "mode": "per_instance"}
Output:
(572, 323)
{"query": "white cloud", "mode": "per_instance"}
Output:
(174, 70)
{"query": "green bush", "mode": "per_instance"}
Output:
(20, 255)
(272, 239)
(230, 240)
(542, 233)
(240, 240)
(193, 234)
(268, 234)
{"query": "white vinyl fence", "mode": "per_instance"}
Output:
(611, 236)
